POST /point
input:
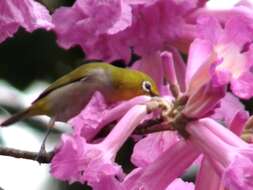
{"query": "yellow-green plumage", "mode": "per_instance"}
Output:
(68, 95)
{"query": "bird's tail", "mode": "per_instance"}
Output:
(16, 117)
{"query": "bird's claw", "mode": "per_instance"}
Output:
(41, 154)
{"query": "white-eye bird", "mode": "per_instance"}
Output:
(68, 95)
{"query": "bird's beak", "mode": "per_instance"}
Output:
(152, 93)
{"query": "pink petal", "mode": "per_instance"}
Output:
(179, 184)
(239, 30)
(109, 34)
(97, 115)
(239, 174)
(89, 119)
(162, 171)
(119, 110)
(169, 68)
(94, 28)
(77, 160)
(238, 123)
(94, 162)
(203, 102)
(151, 147)
(124, 21)
(124, 128)
(207, 177)
(231, 157)
(231, 59)
(180, 67)
(214, 33)
(29, 14)
(236, 110)
(67, 163)
(107, 183)
(243, 87)
(198, 65)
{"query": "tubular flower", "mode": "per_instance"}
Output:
(98, 114)
(160, 173)
(229, 52)
(84, 161)
(149, 148)
(235, 119)
(92, 162)
(231, 157)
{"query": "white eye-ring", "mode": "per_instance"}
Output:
(146, 86)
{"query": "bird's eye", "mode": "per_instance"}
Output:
(146, 86)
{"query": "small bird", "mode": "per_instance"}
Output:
(68, 95)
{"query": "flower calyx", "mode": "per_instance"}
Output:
(171, 117)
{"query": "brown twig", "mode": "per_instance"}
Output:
(44, 158)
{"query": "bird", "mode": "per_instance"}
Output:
(68, 96)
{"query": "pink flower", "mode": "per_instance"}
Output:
(108, 183)
(231, 157)
(204, 95)
(109, 34)
(159, 23)
(29, 14)
(151, 147)
(97, 114)
(230, 60)
(203, 102)
(112, 184)
(94, 162)
(162, 171)
(236, 117)
(179, 184)
(85, 161)
(95, 31)
(224, 10)
(233, 104)
(198, 65)
(89, 119)
(176, 59)
(207, 177)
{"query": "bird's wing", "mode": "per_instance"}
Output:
(72, 77)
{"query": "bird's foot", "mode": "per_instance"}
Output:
(41, 154)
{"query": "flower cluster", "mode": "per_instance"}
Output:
(199, 110)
